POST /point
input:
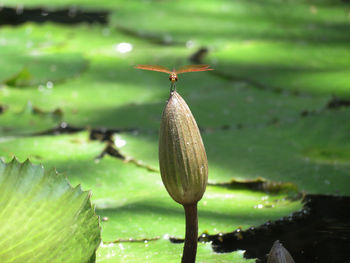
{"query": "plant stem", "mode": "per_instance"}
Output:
(191, 238)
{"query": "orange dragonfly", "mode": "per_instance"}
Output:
(173, 73)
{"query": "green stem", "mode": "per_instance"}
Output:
(191, 238)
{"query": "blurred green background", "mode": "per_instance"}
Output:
(276, 107)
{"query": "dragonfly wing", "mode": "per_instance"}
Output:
(154, 68)
(193, 68)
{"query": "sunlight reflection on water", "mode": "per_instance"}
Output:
(123, 47)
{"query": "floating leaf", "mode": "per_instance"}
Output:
(21, 77)
(29, 120)
(31, 66)
(134, 199)
(43, 218)
(162, 251)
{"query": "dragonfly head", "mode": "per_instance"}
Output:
(173, 77)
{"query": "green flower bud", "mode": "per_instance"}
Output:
(182, 158)
(278, 254)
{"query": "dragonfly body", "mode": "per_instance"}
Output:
(173, 77)
(173, 73)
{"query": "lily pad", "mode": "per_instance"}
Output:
(29, 120)
(162, 251)
(297, 67)
(121, 94)
(266, 44)
(44, 219)
(34, 67)
(280, 152)
(132, 196)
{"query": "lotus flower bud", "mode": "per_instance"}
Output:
(182, 158)
(278, 254)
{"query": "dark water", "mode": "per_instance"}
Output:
(320, 232)
(19, 15)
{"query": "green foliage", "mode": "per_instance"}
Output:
(296, 66)
(130, 195)
(35, 67)
(282, 152)
(43, 218)
(29, 120)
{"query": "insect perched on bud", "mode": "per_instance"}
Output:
(173, 73)
(182, 158)
(183, 165)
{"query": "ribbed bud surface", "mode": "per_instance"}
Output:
(278, 254)
(182, 158)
